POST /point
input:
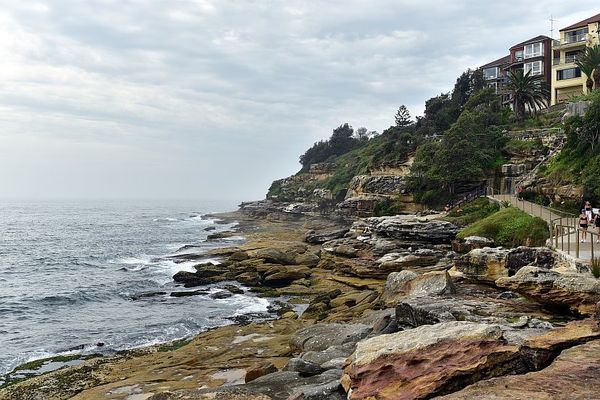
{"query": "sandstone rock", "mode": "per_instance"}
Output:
(307, 258)
(483, 265)
(276, 256)
(471, 242)
(221, 294)
(315, 237)
(322, 336)
(239, 256)
(406, 284)
(283, 276)
(575, 374)
(578, 292)
(258, 370)
(393, 262)
(344, 247)
(422, 362)
(409, 228)
(248, 278)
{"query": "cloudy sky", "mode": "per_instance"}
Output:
(213, 99)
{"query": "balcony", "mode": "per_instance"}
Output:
(565, 61)
(571, 41)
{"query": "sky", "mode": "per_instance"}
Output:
(206, 99)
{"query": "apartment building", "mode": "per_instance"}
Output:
(567, 79)
(533, 55)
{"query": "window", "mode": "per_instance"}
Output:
(568, 73)
(490, 73)
(535, 68)
(571, 56)
(494, 85)
(576, 36)
(534, 50)
(519, 55)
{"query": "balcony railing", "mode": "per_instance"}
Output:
(574, 39)
(566, 60)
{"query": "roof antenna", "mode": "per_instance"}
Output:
(552, 21)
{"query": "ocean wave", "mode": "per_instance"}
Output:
(165, 219)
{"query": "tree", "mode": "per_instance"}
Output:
(527, 91)
(589, 64)
(402, 117)
(589, 132)
(362, 134)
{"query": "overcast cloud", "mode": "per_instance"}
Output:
(215, 99)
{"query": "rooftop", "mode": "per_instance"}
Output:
(498, 62)
(536, 39)
(584, 23)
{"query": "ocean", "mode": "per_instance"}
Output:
(72, 272)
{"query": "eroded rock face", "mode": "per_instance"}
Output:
(378, 184)
(576, 291)
(471, 242)
(575, 374)
(421, 362)
(412, 229)
(540, 257)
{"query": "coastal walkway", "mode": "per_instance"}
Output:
(565, 235)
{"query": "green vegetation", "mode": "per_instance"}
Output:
(510, 227)
(173, 345)
(589, 64)
(472, 212)
(387, 207)
(515, 146)
(579, 160)
(467, 152)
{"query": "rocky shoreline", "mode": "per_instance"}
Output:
(373, 308)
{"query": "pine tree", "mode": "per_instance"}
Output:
(403, 116)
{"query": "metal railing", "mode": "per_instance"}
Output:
(467, 197)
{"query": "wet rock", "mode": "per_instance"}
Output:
(190, 279)
(221, 235)
(277, 256)
(425, 361)
(248, 278)
(283, 276)
(189, 293)
(233, 289)
(221, 294)
(322, 336)
(327, 355)
(578, 292)
(321, 237)
(147, 295)
(307, 258)
(483, 265)
(258, 370)
(303, 367)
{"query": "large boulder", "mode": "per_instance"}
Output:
(574, 374)
(411, 229)
(541, 257)
(408, 284)
(483, 265)
(575, 291)
(423, 362)
(392, 262)
(471, 242)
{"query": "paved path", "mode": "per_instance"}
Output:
(567, 242)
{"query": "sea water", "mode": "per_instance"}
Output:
(72, 272)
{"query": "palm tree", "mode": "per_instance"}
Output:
(589, 64)
(527, 91)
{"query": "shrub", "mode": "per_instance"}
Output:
(471, 212)
(510, 227)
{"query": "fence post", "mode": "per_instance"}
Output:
(568, 242)
(592, 239)
(556, 236)
(577, 245)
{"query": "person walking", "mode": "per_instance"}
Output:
(583, 225)
(520, 192)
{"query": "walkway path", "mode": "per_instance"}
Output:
(567, 243)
